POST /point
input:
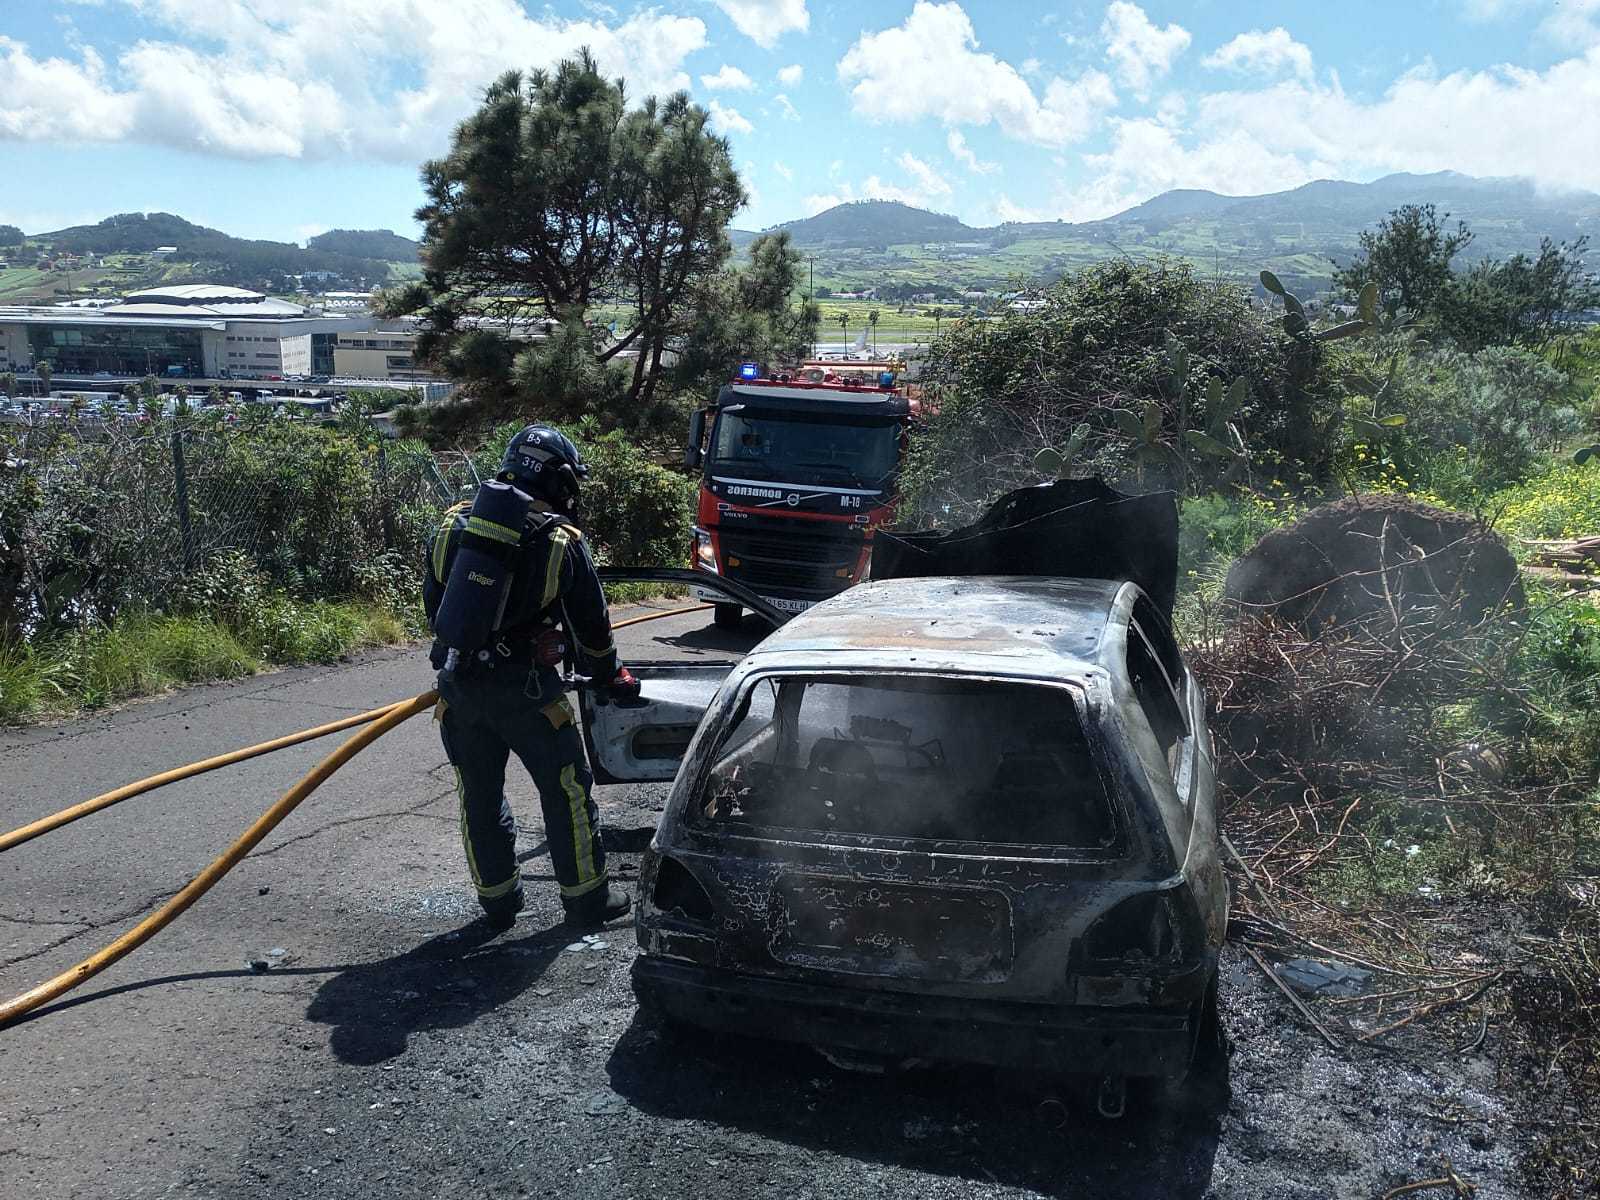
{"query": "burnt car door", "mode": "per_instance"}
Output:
(644, 740)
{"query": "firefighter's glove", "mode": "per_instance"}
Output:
(550, 648)
(623, 686)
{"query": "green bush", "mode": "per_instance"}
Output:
(1004, 388)
(1507, 407)
(633, 512)
(90, 525)
(1214, 530)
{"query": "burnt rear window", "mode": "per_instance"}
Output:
(908, 757)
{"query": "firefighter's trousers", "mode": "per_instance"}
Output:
(485, 718)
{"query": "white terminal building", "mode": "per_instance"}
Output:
(202, 330)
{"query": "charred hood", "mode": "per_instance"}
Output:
(1074, 528)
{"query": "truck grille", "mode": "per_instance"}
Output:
(790, 561)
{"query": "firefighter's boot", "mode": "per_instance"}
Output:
(596, 908)
(502, 914)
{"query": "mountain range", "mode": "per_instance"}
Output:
(1300, 233)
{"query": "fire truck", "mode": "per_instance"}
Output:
(797, 471)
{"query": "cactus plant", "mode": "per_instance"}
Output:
(1051, 461)
(1221, 438)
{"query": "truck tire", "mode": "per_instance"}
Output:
(727, 616)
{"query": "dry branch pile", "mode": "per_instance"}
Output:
(1413, 793)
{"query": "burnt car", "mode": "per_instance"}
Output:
(960, 818)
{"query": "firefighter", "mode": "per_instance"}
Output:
(524, 595)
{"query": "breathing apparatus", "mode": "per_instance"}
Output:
(540, 465)
(479, 585)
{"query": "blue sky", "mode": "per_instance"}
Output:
(283, 119)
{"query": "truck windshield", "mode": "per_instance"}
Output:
(808, 449)
(908, 757)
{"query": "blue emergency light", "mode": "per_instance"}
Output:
(749, 370)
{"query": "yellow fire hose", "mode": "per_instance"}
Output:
(203, 882)
(67, 815)
(378, 721)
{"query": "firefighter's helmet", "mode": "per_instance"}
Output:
(544, 463)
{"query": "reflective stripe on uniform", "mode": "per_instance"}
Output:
(492, 891)
(441, 540)
(591, 652)
(559, 537)
(558, 712)
(582, 834)
(579, 889)
(493, 530)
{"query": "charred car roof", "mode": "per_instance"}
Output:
(1011, 625)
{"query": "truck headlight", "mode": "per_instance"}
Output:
(705, 556)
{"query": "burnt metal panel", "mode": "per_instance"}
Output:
(1076, 528)
(868, 927)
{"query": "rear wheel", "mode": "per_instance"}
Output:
(1204, 1085)
(728, 616)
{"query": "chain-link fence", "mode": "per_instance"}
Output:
(96, 516)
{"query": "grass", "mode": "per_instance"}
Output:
(144, 654)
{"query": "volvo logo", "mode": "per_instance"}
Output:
(794, 499)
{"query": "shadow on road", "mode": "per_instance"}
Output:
(973, 1123)
(710, 637)
(446, 983)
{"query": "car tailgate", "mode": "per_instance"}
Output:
(908, 932)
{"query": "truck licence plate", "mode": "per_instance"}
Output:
(788, 606)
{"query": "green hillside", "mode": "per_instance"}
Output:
(213, 256)
(384, 245)
(1300, 234)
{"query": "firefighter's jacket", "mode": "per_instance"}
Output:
(554, 583)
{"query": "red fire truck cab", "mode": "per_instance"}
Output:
(797, 472)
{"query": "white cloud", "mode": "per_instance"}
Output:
(727, 120)
(53, 99)
(823, 201)
(1502, 121)
(791, 75)
(1492, 10)
(752, 195)
(930, 66)
(1031, 67)
(309, 78)
(964, 154)
(1264, 51)
(765, 21)
(784, 171)
(927, 185)
(1574, 24)
(929, 181)
(728, 79)
(1148, 156)
(874, 188)
(1140, 51)
(1005, 210)
(786, 106)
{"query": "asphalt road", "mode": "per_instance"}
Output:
(392, 1048)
